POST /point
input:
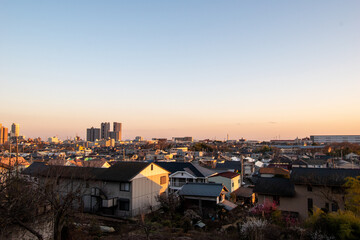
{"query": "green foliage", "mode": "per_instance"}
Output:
(202, 147)
(277, 218)
(341, 225)
(352, 198)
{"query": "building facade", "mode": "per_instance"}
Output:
(105, 129)
(3, 134)
(15, 130)
(335, 138)
(92, 134)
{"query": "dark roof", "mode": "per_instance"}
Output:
(322, 176)
(236, 165)
(274, 170)
(281, 160)
(119, 172)
(299, 162)
(275, 186)
(227, 175)
(193, 169)
(41, 169)
(244, 192)
(201, 189)
(123, 171)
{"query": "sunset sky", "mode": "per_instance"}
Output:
(252, 69)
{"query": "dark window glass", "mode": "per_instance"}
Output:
(125, 187)
(124, 204)
(310, 206)
(309, 188)
(334, 207)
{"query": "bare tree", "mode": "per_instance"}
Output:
(19, 203)
(62, 189)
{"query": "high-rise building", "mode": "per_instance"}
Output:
(15, 130)
(3, 134)
(116, 133)
(92, 134)
(105, 129)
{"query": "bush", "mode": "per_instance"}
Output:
(340, 225)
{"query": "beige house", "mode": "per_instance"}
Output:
(307, 188)
(231, 180)
(126, 189)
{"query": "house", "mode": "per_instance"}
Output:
(185, 172)
(306, 189)
(125, 189)
(206, 196)
(231, 180)
(245, 195)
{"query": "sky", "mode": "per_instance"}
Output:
(252, 69)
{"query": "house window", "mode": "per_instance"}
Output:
(152, 167)
(232, 184)
(310, 206)
(309, 188)
(334, 207)
(326, 207)
(124, 204)
(276, 200)
(162, 180)
(125, 187)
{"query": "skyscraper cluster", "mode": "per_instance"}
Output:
(3, 134)
(93, 134)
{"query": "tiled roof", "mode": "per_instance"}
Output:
(201, 189)
(230, 175)
(322, 176)
(273, 170)
(193, 169)
(275, 187)
(119, 172)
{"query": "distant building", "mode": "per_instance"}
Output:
(105, 129)
(3, 134)
(53, 140)
(139, 138)
(335, 138)
(116, 133)
(15, 130)
(183, 139)
(92, 134)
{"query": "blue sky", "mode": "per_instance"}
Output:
(253, 69)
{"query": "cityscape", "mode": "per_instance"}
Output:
(179, 120)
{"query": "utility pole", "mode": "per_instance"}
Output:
(10, 157)
(17, 157)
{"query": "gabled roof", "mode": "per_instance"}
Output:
(299, 162)
(230, 175)
(275, 187)
(194, 169)
(322, 176)
(202, 189)
(41, 169)
(274, 170)
(123, 171)
(119, 172)
(243, 192)
(236, 165)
